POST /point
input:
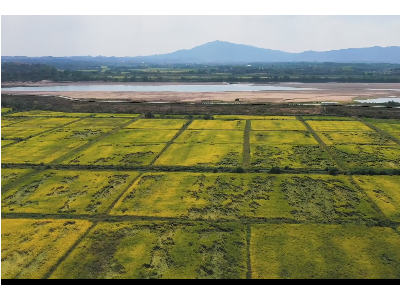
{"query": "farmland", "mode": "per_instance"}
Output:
(107, 195)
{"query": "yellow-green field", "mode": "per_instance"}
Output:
(327, 118)
(11, 132)
(299, 251)
(338, 126)
(103, 153)
(44, 122)
(358, 137)
(5, 110)
(385, 124)
(292, 156)
(6, 142)
(99, 122)
(158, 250)
(6, 121)
(11, 175)
(244, 117)
(29, 248)
(73, 134)
(277, 125)
(44, 113)
(158, 124)
(211, 137)
(282, 138)
(384, 191)
(107, 115)
(149, 136)
(217, 125)
(71, 192)
(206, 155)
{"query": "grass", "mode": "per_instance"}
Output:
(103, 153)
(292, 156)
(29, 248)
(282, 138)
(5, 110)
(383, 190)
(43, 113)
(245, 117)
(43, 122)
(94, 123)
(338, 126)
(327, 118)
(66, 192)
(157, 124)
(358, 137)
(6, 142)
(158, 250)
(203, 196)
(116, 115)
(73, 134)
(7, 121)
(210, 155)
(211, 136)
(385, 124)
(277, 125)
(134, 136)
(324, 251)
(11, 175)
(20, 132)
(217, 125)
(357, 156)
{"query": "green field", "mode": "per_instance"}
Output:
(277, 125)
(324, 251)
(158, 250)
(43, 113)
(108, 115)
(68, 192)
(211, 137)
(134, 136)
(217, 125)
(338, 126)
(5, 110)
(244, 117)
(6, 142)
(158, 124)
(359, 137)
(11, 175)
(93, 123)
(385, 124)
(7, 121)
(282, 138)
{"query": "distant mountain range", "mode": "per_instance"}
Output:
(219, 52)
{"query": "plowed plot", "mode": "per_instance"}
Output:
(207, 155)
(325, 198)
(338, 126)
(203, 196)
(277, 125)
(297, 156)
(282, 138)
(20, 132)
(103, 153)
(141, 136)
(217, 125)
(78, 192)
(10, 175)
(44, 113)
(324, 251)
(384, 191)
(29, 248)
(211, 136)
(386, 125)
(369, 156)
(244, 117)
(158, 250)
(44, 122)
(6, 142)
(95, 123)
(157, 124)
(107, 115)
(360, 138)
(38, 150)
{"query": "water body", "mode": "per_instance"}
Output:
(379, 100)
(155, 88)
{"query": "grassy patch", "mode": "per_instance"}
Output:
(43, 113)
(94, 123)
(386, 124)
(157, 124)
(116, 115)
(72, 192)
(217, 125)
(338, 126)
(324, 251)
(29, 248)
(245, 117)
(282, 138)
(10, 175)
(360, 138)
(6, 142)
(158, 250)
(5, 110)
(277, 125)
(148, 136)
(211, 137)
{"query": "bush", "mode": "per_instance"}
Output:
(208, 117)
(149, 115)
(239, 170)
(275, 170)
(333, 171)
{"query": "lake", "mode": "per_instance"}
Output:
(155, 88)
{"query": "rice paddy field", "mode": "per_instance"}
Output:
(103, 195)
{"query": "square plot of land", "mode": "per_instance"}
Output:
(29, 248)
(293, 156)
(282, 138)
(357, 156)
(11, 175)
(110, 115)
(386, 125)
(20, 132)
(217, 125)
(44, 122)
(384, 191)
(73, 134)
(357, 137)
(211, 136)
(249, 117)
(103, 153)
(338, 126)
(158, 250)
(37, 150)
(6, 121)
(207, 155)
(277, 125)
(204, 196)
(134, 136)
(95, 123)
(300, 251)
(71, 192)
(44, 113)
(157, 124)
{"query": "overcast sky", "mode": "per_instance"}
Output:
(146, 35)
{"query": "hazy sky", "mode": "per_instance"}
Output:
(146, 35)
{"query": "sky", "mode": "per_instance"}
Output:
(146, 35)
